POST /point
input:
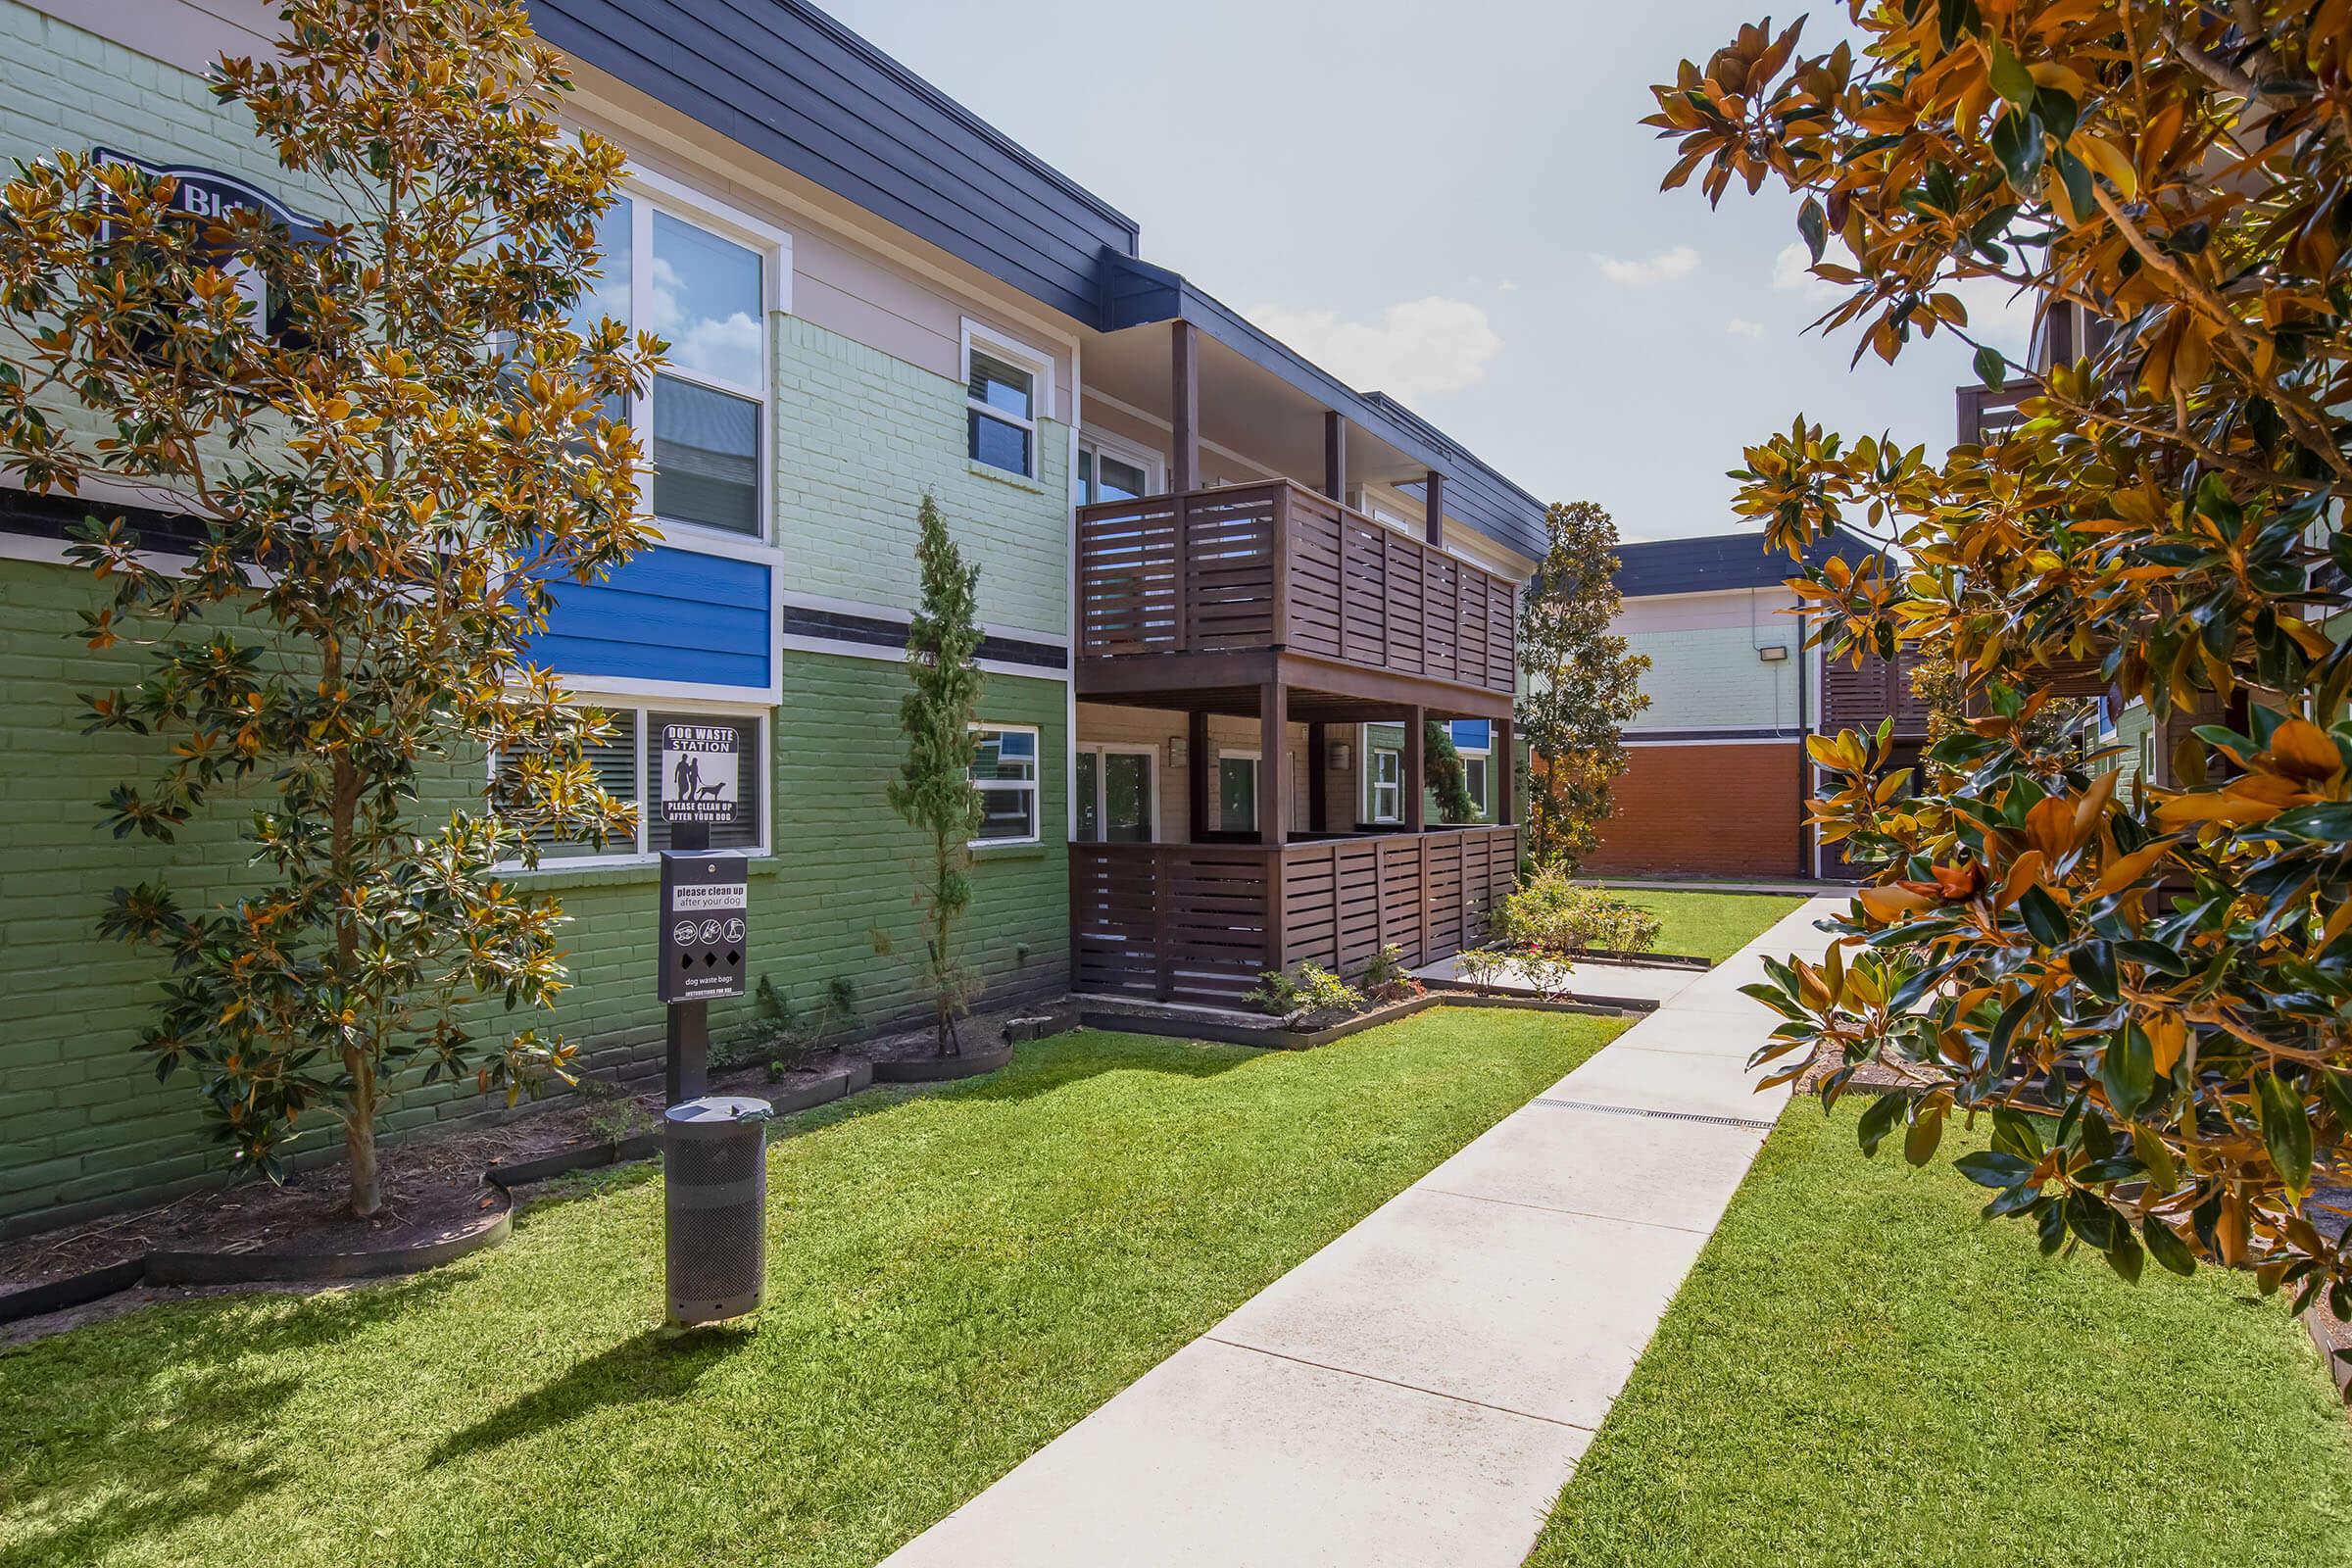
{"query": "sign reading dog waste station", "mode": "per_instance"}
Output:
(702, 774)
(704, 911)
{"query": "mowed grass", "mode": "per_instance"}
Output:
(953, 1277)
(1710, 925)
(1859, 1371)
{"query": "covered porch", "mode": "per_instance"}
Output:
(1198, 911)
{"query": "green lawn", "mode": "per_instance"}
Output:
(953, 1278)
(1857, 1371)
(1710, 925)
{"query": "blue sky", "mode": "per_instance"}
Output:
(1454, 204)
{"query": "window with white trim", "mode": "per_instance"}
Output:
(1237, 792)
(627, 762)
(1387, 778)
(1006, 775)
(1008, 386)
(1118, 790)
(704, 422)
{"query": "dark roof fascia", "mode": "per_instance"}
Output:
(1719, 563)
(832, 108)
(1138, 293)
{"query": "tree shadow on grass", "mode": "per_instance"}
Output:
(120, 1432)
(657, 1364)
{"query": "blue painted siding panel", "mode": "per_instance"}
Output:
(670, 614)
(1473, 734)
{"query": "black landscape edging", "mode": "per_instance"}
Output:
(510, 1174)
(1573, 1002)
(942, 1069)
(1655, 961)
(172, 1266)
(74, 1290)
(1274, 1037)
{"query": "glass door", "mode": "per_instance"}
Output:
(1111, 473)
(1114, 794)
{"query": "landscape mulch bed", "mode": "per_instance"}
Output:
(434, 1187)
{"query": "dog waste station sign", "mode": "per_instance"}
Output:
(704, 930)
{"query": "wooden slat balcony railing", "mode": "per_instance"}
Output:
(1278, 566)
(1201, 922)
(1985, 413)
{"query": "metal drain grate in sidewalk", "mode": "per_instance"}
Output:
(1661, 1115)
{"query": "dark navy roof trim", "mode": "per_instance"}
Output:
(793, 85)
(832, 625)
(1719, 560)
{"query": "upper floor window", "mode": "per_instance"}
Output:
(704, 421)
(1108, 471)
(1007, 387)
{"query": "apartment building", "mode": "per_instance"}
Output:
(1208, 573)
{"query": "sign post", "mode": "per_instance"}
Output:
(705, 937)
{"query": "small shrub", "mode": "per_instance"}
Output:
(1552, 917)
(1386, 979)
(1308, 990)
(1481, 966)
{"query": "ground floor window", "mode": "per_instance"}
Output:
(1115, 795)
(1237, 792)
(1005, 774)
(1386, 774)
(628, 763)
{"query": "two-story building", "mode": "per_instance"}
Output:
(1210, 574)
(1716, 779)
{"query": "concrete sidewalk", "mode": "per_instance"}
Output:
(1417, 1392)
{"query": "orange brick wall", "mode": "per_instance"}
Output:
(1704, 809)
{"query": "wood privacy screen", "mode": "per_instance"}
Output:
(1855, 698)
(1201, 922)
(1275, 564)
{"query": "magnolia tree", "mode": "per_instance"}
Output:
(2148, 994)
(388, 470)
(934, 790)
(1583, 686)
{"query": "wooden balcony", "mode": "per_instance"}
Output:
(1276, 567)
(1201, 922)
(1987, 413)
(1861, 697)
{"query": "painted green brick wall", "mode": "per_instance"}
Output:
(859, 437)
(86, 1126)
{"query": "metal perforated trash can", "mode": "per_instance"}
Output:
(715, 1154)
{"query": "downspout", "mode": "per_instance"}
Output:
(1805, 867)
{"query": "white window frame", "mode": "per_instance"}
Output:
(648, 809)
(1034, 785)
(1102, 748)
(1373, 785)
(1020, 356)
(1095, 442)
(648, 191)
(1256, 759)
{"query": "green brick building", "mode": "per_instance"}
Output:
(872, 296)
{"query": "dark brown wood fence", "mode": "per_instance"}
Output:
(1201, 922)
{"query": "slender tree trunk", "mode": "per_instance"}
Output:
(359, 1136)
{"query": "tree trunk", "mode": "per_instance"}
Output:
(359, 1137)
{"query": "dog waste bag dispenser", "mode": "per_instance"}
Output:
(704, 932)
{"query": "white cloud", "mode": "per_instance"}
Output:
(1663, 267)
(1789, 272)
(1743, 328)
(1415, 349)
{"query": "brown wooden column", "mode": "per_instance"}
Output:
(1184, 395)
(1273, 763)
(1319, 783)
(1196, 775)
(1433, 508)
(1415, 817)
(1506, 776)
(1334, 454)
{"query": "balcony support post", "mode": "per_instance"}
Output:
(1318, 749)
(1196, 775)
(1184, 361)
(1433, 508)
(1506, 776)
(1334, 454)
(1416, 820)
(1273, 772)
